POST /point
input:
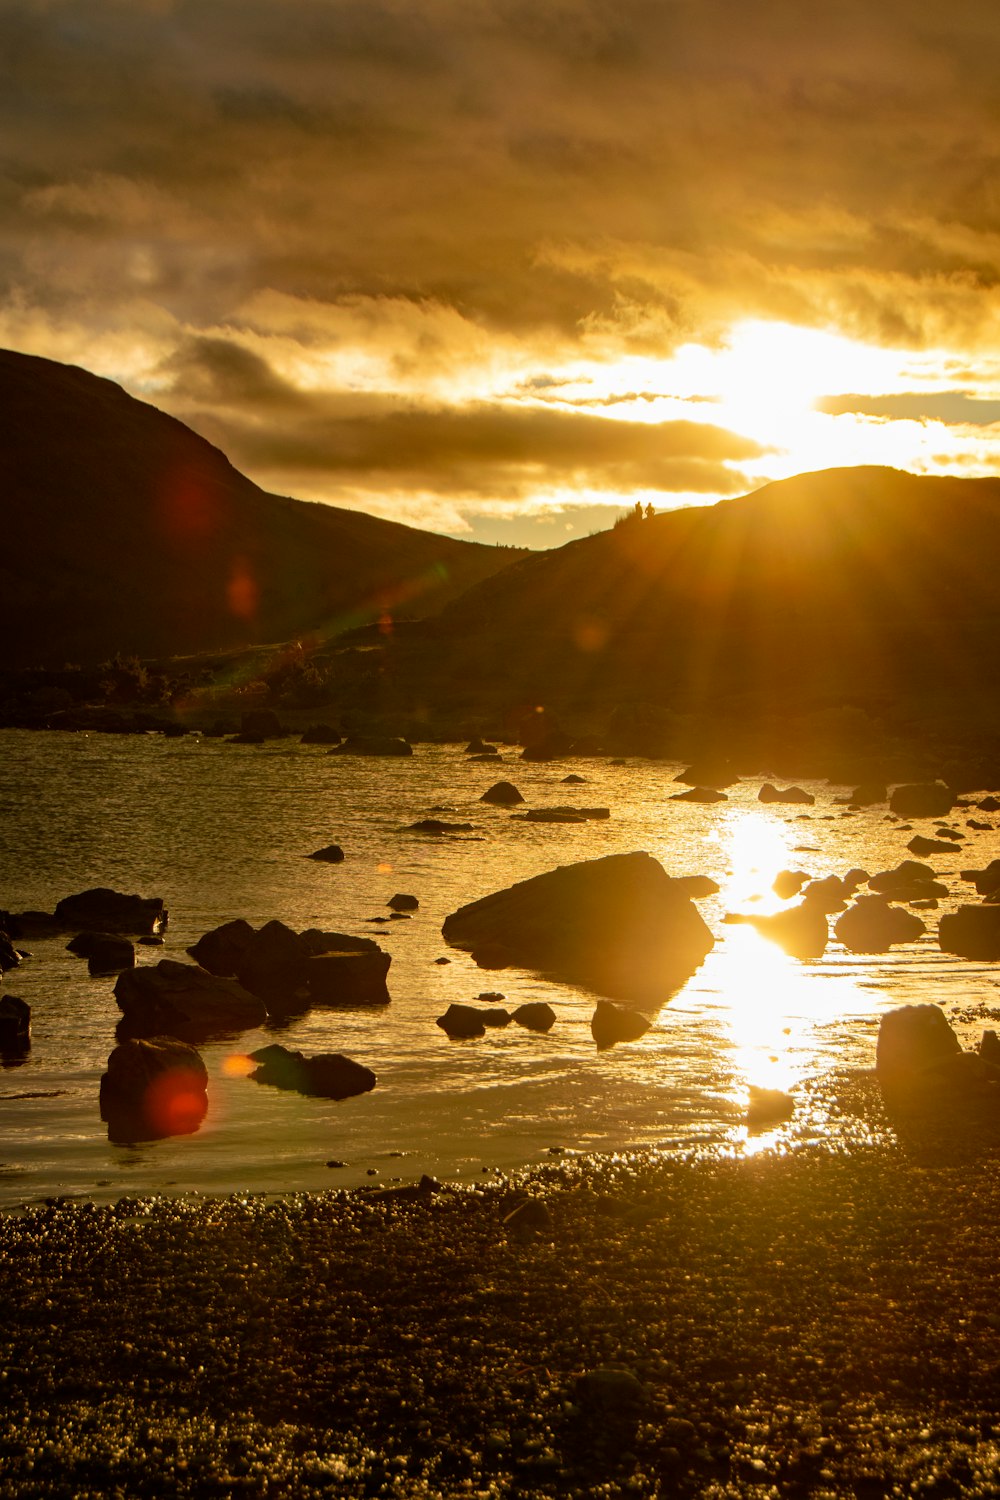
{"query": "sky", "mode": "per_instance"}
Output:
(502, 268)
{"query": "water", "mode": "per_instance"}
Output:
(221, 831)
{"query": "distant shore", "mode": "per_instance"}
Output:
(806, 1324)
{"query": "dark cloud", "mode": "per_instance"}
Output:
(951, 407)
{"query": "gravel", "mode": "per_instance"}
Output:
(807, 1323)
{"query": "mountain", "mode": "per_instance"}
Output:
(123, 531)
(863, 587)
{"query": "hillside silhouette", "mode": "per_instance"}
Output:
(126, 532)
(863, 587)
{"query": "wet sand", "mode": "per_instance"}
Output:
(808, 1324)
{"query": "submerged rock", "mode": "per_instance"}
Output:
(373, 744)
(699, 794)
(326, 1075)
(793, 794)
(617, 924)
(154, 1087)
(330, 854)
(535, 1015)
(438, 825)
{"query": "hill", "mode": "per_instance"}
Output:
(123, 531)
(866, 588)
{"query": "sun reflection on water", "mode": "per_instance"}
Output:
(772, 1008)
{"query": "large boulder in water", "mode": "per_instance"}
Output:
(873, 924)
(328, 1075)
(154, 1087)
(182, 1000)
(617, 924)
(611, 1024)
(15, 1025)
(104, 910)
(502, 794)
(911, 1041)
(793, 794)
(291, 970)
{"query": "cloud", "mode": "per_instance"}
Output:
(435, 201)
(951, 407)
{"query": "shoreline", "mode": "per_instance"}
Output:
(799, 1324)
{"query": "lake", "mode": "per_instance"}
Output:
(221, 830)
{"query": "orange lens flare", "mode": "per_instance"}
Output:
(174, 1103)
(237, 1065)
(242, 592)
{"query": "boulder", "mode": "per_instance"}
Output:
(103, 910)
(873, 925)
(348, 977)
(326, 1075)
(611, 1024)
(154, 1087)
(794, 794)
(911, 1041)
(617, 924)
(463, 1021)
(438, 825)
(709, 772)
(574, 780)
(989, 804)
(922, 800)
(330, 854)
(183, 1000)
(788, 883)
(535, 1015)
(479, 748)
(828, 894)
(15, 1025)
(220, 950)
(696, 886)
(9, 956)
(30, 924)
(868, 794)
(502, 794)
(971, 932)
(373, 744)
(699, 794)
(986, 881)
(109, 954)
(908, 881)
(801, 930)
(919, 844)
(403, 902)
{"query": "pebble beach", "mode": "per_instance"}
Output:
(804, 1324)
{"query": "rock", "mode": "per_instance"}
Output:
(989, 1047)
(330, 854)
(326, 1075)
(535, 1015)
(15, 1025)
(107, 953)
(699, 794)
(910, 879)
(479, 748)
(795, 794)
(989, 804)
(921, 845)
(30, 924)
(183, 1000)
(574, 780)
(103, 910)
(615, 1023)
(868, 794)
(497, 1018)
(872, 925)
(696, 886)
(768, 1107)
(986, 881)
(154, 1087)
(373, 744)
(438, 825)
(463, 1021)
(912, 1040)
(802, 930)
(321, 734)
(502, 794)
(350, 977)
(709, 772)
(617, 924)
(403, 902)
(922, 800)
(9, 956)
(971, 932)
(612, 1400)
(563, 814)
(788, 883)
(220, 950)
(828, 894)
(531, 1216)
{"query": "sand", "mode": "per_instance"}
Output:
(808, 1324)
